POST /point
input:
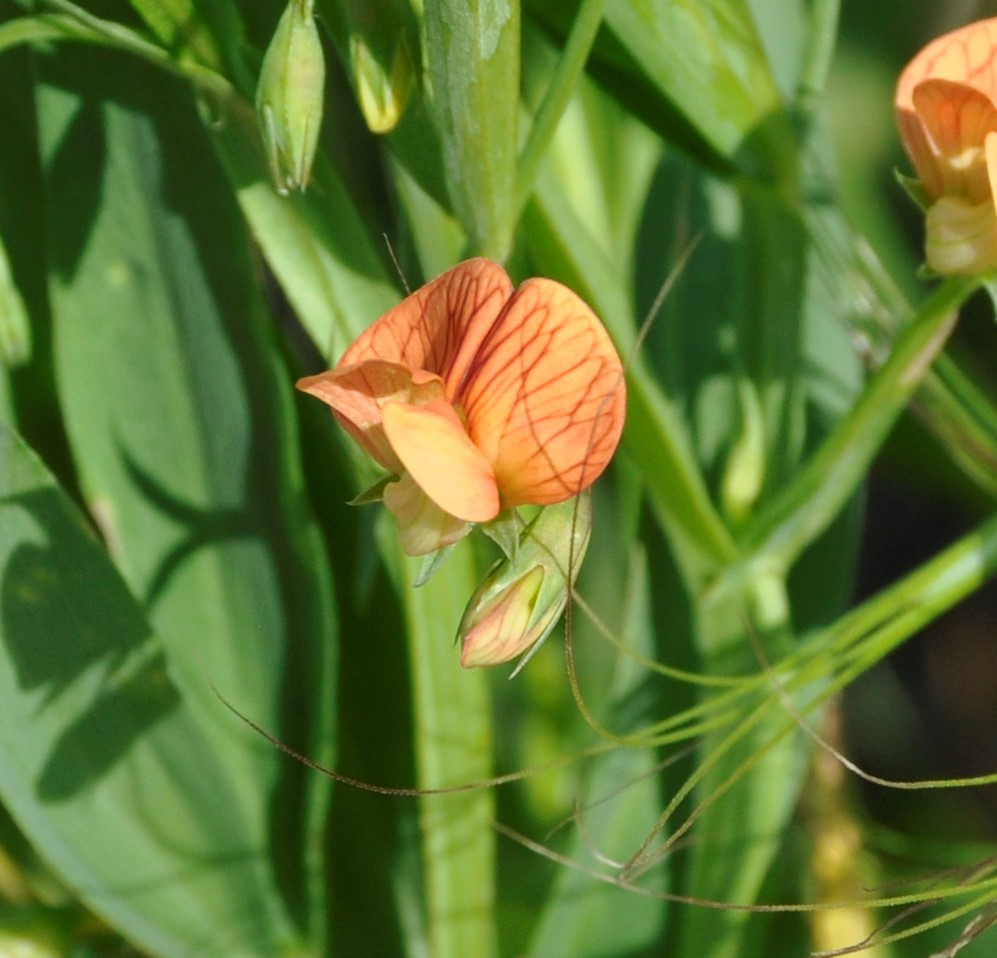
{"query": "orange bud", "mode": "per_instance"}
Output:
(522, 597)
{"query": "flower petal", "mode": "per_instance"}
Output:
(358, 394)
(422, 525)
(435, 449)
(440, 326)
(956, 120)
(966, 55)
(961, 237)
(545, 400)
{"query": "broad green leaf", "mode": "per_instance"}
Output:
(106, 758)
(177, 408)
(602, 158)
(472, 47)
(453, 746)
(622, 798)
(695, 72)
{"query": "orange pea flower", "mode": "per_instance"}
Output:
(477, 397)
(946, 103)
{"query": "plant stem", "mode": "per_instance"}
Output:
(558, 95)
(835, 471)
(453, 747)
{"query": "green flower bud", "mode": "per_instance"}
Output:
(521, 599)
(384, 57)
(15, 329)
(289, 96)
(383, 91)
(745, 472)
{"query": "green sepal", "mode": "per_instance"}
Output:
(431, 564)
(509, 616)
(913, 188)
(374, 493)
(504, 530)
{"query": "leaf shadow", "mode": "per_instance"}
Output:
(61, 619)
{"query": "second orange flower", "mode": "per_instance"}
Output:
(946, 102)
(477, 397)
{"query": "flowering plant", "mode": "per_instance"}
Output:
(946, 102)
(477, 398)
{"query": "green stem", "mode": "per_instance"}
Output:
(921, 596)
(963, 419)
(817, 57)
(834, 473)
(75, 23)
(453, 747)
(558, 95)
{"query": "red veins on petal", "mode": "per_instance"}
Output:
(484, 396)
(965, 55)
(545, 400)
(945, 102)
(440, 326)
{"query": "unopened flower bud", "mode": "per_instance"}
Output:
(521, 599)
(383, 89)
(15, 329)
(289, 96)
(384, 54)
(745, 473)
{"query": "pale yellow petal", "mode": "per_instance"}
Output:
(961, 237)
(423, 527)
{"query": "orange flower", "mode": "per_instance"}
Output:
(479, 397)
(946, 104)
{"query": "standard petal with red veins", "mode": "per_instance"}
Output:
(440, 326)
(966, 55)
(545, 399)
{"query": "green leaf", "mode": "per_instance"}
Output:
(584, 917)
(473, 52)
(453, 746)
(106, 761)
(178, 411)
(696, 72)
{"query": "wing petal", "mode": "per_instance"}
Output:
(435, 449)
(358, 394)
